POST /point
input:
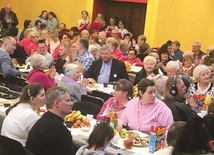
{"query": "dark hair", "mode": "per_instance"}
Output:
(85, 12)
(193, 139)
(211, 108)
(144, 83)
(102, 132)
(14, 31)
(94, 37)
(52, 14)
(174, 132)
(84, 43)
(41, 42)
(30, 90)
(37, 22)
(74, 29)
(43, 26)
(163, 50)
(209, 124)
(133, 49)
(143, 47)
(123, 21)
(27, 23)
(211, 54)
(64, 33)
(42, 13)
(124, 85)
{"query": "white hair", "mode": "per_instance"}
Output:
(197, 71)
(173, 64)
(36, 60)
(70, 69)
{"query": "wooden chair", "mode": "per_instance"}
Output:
(87, 108)
(96, 100)
(102, 95)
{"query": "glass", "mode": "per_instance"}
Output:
(113, 118)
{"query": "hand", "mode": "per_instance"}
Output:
(9, 21)
(191, 100)
(52, 72)
(119, 126)
(84, 82)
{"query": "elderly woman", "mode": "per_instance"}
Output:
(123, 91)
(160, 83)
(143, 112)
(71, 82)
(148, 69)
(203, 85)
(115, 44)
(22, 116)
(38, 63)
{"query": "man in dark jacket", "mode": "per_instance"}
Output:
(107, 69)
(8, 19)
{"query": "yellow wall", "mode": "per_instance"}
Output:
(182, 20)
(67, 11)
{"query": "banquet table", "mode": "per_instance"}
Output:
(100, 87)
(80, 138)
(7, 101)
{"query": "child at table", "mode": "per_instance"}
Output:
(98, 140)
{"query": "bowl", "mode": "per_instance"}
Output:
(68, 124)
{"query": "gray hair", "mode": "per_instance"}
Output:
(55, 33)
(149, 58)
(55, 93)
(169, 84)
(142, 37)
(160, 80)
(199, 69)
(198, 43)
(173, 64)
(107, 47)
(36, 60)
(70, 69)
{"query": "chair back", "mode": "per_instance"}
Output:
(96, 100)
(87, 108)
(102, 95)
(1, 121)
(3, 81)
(16, 83)
(9, 146)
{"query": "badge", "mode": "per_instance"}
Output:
(115, 75)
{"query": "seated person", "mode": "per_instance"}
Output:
(49, 136)
(148, 69)
(132, 58)
(98, 141)
(22, 116)
(194, 138)
(71, 82)
(6, 63)
(114, 43)
(175, 92)
(42, 50)
(146, 110)
(172, 136)
(38, 63)
(123, 91)
(107, 69)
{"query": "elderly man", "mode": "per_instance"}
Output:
(107, 69)
(6, 64)
(102, 38)
(175, 99)
(83, 58)
(84, 34)
(49, 135)
(8, 19)
(196, 48)
(140, 40)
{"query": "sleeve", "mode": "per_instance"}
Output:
(46, 81)
(104, 107)
(7, 69)
(125, 114)
(139, 62)
(124, 72)
(86, 63)
(15, 20)
(90, 72)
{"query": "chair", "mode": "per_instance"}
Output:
(1, 121)
(87, 108)
(9, 146)
(16, 83)
(102, 95)
(96, 100)
(4, 89)
(3, 81)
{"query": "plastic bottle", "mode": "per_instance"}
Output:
(114, 117)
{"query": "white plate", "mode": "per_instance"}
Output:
(142, 145)
(141, 134)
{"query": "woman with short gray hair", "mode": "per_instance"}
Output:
(72, 81)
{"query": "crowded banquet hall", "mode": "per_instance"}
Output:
(106, 77)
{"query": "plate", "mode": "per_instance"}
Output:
(141, 134)
(141, 145)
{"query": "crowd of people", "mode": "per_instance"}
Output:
(171, 87)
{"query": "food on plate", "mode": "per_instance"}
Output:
(122, 133)
(128, 143)
(137, 140)
(92, 81)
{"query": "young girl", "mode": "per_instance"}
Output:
(98, 140)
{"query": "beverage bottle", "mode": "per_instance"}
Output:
(114, 117)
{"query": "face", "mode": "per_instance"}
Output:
(11, 46)
(102, 36)
(131, 55)
(85, 34)
(149, 66)
(44, 34)
(39, 100)
(50, 16)
(65, 38)
(65, 105)
(212, 71)
(106, 55)
(77, 74)
(73, 47)
(7, 9)
(62, 51)
(204, 76)
(114, 33)
(78, 47)
(120, 25)
(156, 56)
(36, 39)
(148, 97)
(84, 15)
(61, 27)
(139, 41)
(44, 15)
(112, 21)
(174, 47)
(195, 47)
(164, 57)
(188, 63)
(41, 48)
(119, 94)
(181, 88)
(171, 72)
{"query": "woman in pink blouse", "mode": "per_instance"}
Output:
(143, 112)
(123, 91)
